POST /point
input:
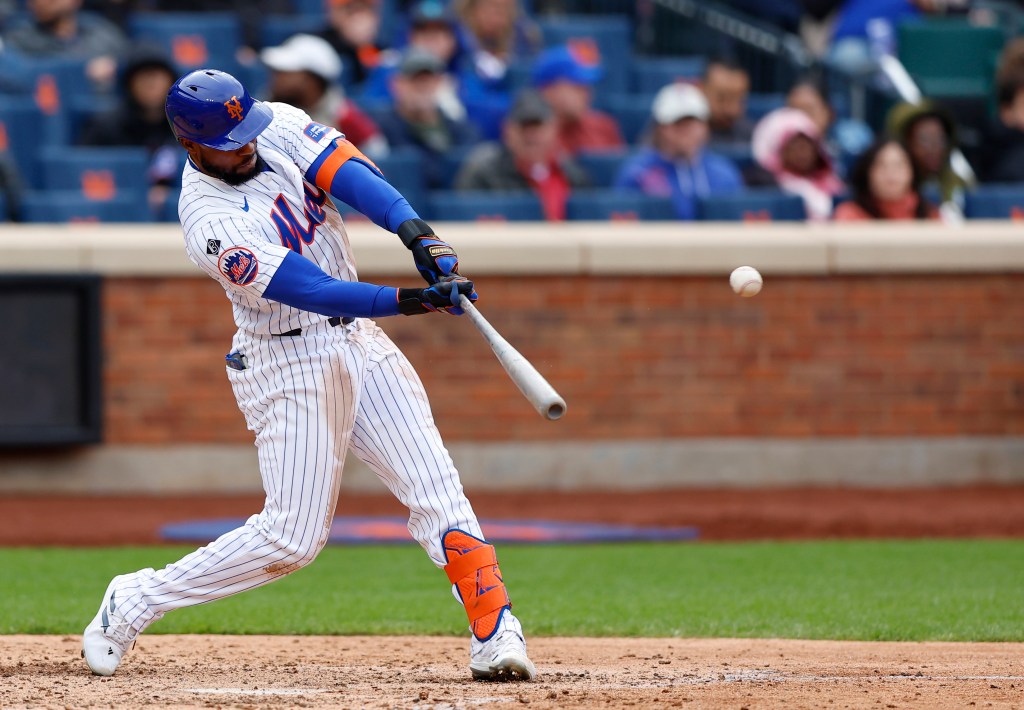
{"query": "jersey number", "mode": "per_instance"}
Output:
(293, 233)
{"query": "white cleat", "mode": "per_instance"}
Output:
(107, 637)
(503, 655)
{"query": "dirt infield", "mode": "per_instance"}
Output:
(430, 672)
(725, 514)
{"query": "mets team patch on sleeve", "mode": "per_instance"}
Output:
(238, 265)
(316, 131)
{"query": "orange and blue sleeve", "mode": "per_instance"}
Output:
(350, 176)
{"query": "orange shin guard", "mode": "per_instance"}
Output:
(473, 569)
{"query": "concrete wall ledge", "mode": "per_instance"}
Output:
(569, 248)
(608, 465)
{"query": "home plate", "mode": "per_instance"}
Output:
(253, 691)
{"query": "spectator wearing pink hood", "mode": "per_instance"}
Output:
(788, 144)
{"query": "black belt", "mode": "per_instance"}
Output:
(333, 322)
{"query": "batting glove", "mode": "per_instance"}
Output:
(434, 257)
(442, 296)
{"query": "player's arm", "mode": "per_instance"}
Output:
(352, 178)
(300, 283)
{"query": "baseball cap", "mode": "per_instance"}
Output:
(571, 63)
(417, 61)
(430, 12)
(678, 101)
(529, 107)
(304, 52)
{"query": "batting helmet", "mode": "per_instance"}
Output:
(213, 109)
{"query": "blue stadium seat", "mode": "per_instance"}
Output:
(996, 202)
(484, 206)
(602, 167)
(752, 206)
(70, 206)
(452, 162)
(742, 156)
(275, 29)
(652, 73)
(22, 133)
(4, 214)
(81, 110)
(402, 168)
(760, 104)
(97, 174)
(631, 111)
(192, 40)
(611, 35)
(604, 205)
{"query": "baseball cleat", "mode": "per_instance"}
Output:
(502, 657)
(107, 637)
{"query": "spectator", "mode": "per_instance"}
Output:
(304, 72)
(726, 85)
(929, 134)
(788, 144)
(528, 159)
(432, 28)
(678, 165)
(353, 26)
(417, 120)
(564, 76)
(59, 29)
(844, 137)
(885, 185)
(1003, 161)
(139, 119)
(493, 36)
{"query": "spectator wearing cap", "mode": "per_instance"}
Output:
(527, 159)
(789, 145)
(352, 29)
(304, 72)
(138, 119)
(678, 164)
(417, 121)
(432, 28)
(564, 77)
(59, 29)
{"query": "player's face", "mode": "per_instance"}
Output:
(232, 166)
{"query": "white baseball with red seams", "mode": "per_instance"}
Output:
(746, 281)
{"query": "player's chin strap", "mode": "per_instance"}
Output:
(473, 569)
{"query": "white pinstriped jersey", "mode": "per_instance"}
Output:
(240, 234)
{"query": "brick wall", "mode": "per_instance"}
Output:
(647, 357)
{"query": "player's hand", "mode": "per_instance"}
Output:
(442, 296)
(434, 257)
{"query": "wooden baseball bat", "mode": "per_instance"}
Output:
(531, 383)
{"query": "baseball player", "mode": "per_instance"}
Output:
(312, 373)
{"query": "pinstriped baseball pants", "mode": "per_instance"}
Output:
(309, 399)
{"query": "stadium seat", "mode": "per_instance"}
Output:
(611, 36)
(602, 167)
(950, 57)
(484, 206)
(81, 110)
(652, 73)
(193, 40)
(631, 111)
(760, 104)
(4, 214)
(752, 206)
(604, 205)
(21, 130)
(275, 29)
(70, 206)
(996, 202)
(402, 168)
(97, 174)
(452, 162)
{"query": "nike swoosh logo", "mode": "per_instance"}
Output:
(245, 206)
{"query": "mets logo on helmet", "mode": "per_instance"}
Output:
(234, 108)
(239, 265)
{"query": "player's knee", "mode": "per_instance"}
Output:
(290, 555)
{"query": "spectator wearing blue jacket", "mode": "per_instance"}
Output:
(678, 166)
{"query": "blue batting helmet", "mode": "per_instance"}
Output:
(213, 109)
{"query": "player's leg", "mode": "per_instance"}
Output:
(298, 397)
(396, 436)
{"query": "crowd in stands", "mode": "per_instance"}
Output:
(467, 97)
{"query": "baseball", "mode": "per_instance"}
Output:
(746, 281)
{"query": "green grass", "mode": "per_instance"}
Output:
(922, 590)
